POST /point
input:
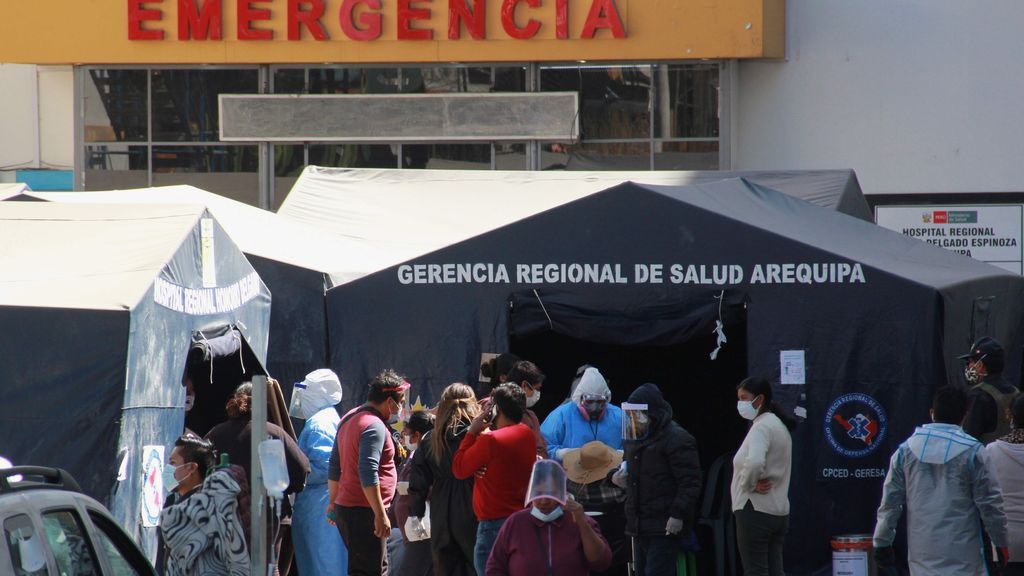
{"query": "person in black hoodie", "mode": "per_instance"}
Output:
(452, 521)
(662, 476)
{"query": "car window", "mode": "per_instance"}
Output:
(70, 547)
(25, 547)
(120, 552)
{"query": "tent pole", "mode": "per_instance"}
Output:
(258, 546)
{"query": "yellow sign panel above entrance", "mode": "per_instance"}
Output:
(383, 31)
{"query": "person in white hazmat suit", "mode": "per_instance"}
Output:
(941, 476)
(318, 549)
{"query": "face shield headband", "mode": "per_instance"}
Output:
(636, 421)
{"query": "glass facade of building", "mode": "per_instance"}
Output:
(152, 126)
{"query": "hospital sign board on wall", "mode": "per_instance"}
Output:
(386, 31)
(990, 233)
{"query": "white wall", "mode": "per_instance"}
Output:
(57, 116)
(36, 118)
(18, 148)
(915, 95)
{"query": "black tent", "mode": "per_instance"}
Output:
(396, 215)
(101, 305)
(633, 279)
(296, 262)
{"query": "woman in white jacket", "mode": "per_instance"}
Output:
(1006, 460)
(760, 480)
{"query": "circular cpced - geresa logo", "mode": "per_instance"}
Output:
(855, 425)
(152, 486)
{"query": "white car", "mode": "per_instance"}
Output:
(52, 529)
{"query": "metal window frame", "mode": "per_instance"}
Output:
(727, 85)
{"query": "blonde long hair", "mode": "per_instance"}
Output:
(457, 408)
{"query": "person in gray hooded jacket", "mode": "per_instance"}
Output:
(941, 476)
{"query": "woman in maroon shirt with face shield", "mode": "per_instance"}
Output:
(552, 536)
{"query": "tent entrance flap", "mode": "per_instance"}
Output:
(701, 391)
(605, 319)
(219, 359)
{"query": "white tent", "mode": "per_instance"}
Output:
(12, 189)
(296, 261)
(408, 213)
(257, 232)
(89, 257)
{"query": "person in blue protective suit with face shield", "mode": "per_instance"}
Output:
(589, 416)
(318, 548)
(942, 477)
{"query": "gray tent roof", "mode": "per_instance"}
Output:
(102, 257)
(408, 213)
(764, 208)
(257, 232)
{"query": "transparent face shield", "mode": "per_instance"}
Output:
(295, 406)
(636, 421)
(547, 481)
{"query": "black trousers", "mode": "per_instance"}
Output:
(612, 523)
(454, 558)
(656, 555)
(367, 554)
(760, 537)
(418, 559)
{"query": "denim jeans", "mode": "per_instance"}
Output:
(486, 534)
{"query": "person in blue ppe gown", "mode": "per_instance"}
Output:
(589, 416)
(318, 547)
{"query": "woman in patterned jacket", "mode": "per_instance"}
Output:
(203, 534)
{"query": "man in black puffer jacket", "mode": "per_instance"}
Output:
(663, 482)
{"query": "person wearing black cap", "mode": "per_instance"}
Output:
(990, 396)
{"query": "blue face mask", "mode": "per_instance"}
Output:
(550, 516)
(170, 482)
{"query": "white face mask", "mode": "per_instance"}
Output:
(409, 445)
(532, 400)
(746, 409)
(553, 515)
(190, 400)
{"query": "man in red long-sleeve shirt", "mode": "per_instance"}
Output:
(505, 456)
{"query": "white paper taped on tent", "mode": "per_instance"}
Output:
(792, 367)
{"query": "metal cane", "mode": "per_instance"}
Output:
(631, 565)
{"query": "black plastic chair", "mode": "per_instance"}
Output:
(716, 515)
